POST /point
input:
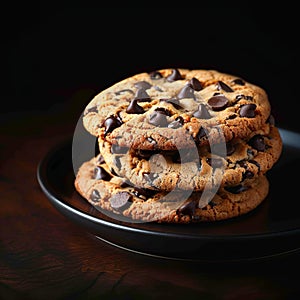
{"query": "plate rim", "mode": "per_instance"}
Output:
(57, 200)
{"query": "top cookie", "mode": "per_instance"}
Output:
(171, 109)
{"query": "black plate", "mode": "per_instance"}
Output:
(270, 230)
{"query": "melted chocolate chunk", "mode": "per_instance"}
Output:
(158, 118)
(116, 149)
(142, 85)
(111, 123)
(175, 75)
(239, 81)
(247, 110)
(178, 122)
(134, 108)
(124, 91)
(186, 92)
(218, 102)
(95, 196)
(101, 174)
(188, 208)
(142, 96)
(155, 75)
(223, 86)
(120, 201)
(241, 96)
(195, 84)
(202, 112)
(257, 142)
(236, 189)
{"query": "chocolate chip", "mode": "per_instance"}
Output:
(101, 174)
(143, 193)
(214, 162)
(120, 201)
(123, 92)
(158, 88)
(187, 208)
(150, 177)
(195, 84)
(201, 134)
(100, 160)
(95, 196)
(134, 108)
(125, 184)
(175, 75)
(223, 86)
(142, 96)
(111, 123)
(257, 142)
(92, 109)
(202, 112)
(174, 101)
(186, 92)
(117, 163)
(212, 204)
(112, 171)
(247, 175)
(239, 81)
(158, 118)
(142, 85)
(117, 149)
(218, 102)
(236, 189)
(230, 148)
(155, 75)
(241, 96)
(178, 122)
(252, 161)
(151, 140)
(247, 110)
(231, 117)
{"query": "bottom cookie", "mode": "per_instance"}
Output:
(116, 197)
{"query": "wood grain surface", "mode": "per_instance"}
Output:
(43, 255)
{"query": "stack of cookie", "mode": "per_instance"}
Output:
(179, 146)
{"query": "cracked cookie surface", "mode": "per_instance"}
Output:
(169, 109)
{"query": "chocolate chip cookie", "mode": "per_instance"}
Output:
(112, 194)
(170, 109)
(191, 169)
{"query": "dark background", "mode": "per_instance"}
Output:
(58, 57)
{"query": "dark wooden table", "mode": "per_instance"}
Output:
(43, 255)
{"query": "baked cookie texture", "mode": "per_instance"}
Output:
(197, 169)
(110, 193)
(176, 108)
(179, 146)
